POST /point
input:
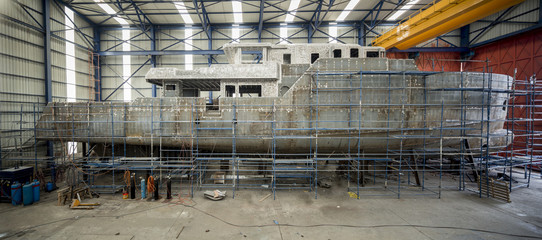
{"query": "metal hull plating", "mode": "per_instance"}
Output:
(331, 107)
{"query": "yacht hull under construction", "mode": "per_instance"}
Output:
(347, 106)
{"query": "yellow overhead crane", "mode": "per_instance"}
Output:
(438, 18)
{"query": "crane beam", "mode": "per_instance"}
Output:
(438, 18)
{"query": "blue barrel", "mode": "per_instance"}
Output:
(143, 189)
(28, 194)
(36, 190)
(50, 186)
(16, 196)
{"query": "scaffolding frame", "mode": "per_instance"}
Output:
(395, 172)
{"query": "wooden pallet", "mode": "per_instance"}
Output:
(497, 189)
(69, 192)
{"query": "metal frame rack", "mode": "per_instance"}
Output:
(522, 154)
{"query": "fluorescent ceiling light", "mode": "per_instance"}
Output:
(403, 9)
(292, 10)
(109, 10)
(351, 5)
(237, 11)
(184, 12)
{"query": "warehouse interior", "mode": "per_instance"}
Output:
(270, 119)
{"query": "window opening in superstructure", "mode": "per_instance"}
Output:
(337, 53)
(230, 90)
(250, 90)
(372, 54)
(287, 58)
(314, 57)
(354, 53)
(170, 87)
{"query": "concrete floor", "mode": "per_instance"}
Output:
(299, 215)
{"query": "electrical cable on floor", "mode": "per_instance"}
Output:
(361, 226)
(193, 206)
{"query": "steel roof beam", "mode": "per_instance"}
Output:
(285, 12)
(260, 23)
(82, 16)
(25, 8)
(143, 20)
(127, 79)
(76, 28)
(316, 15)
(243, 25)
(203, 17)
(492, 24)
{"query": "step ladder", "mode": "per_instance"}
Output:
(94, 84)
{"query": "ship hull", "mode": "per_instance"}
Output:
(325, 111)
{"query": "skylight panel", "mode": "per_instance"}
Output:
(403, 9)
(237, 11)
(109, 10)
(106, 7)
(292, 10)
(121, 21)
(184, 12)
(333, 33)
(70, 65)
(188, 59)
(70, 55)
(351, 5)
(126, 66)
(236, 33)
(283, 33)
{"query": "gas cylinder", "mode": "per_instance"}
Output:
(16, 194)
(168, 185)
(50, 186)
(143, 189)
(28, 195)
(36, 190)
(156, 192)
(132, 186)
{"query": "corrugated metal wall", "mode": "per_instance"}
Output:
(112, 66)
(520, 17)
(22, 82)
(519, 56)
(58, 55)
(21, 76)
(21, 54)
